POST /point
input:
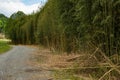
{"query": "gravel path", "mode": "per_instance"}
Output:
(13, 65)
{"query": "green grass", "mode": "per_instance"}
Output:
(65, 75)
(4, 46)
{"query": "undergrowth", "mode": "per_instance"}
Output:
(4, 46)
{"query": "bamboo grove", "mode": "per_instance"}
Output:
(70, 26)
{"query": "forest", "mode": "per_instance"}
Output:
(72, 26)
(3, 23)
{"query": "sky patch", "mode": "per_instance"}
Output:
(30, 2)
(8, 7)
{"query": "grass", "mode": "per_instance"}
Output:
(4, 45)
(65, 75)
(95, 66)
(71, 74)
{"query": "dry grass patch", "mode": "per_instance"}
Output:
(47, 59)
(96, 66)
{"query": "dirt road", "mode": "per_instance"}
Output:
(13, 65)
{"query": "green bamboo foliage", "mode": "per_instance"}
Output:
(69, 25)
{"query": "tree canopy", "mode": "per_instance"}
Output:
(3, 22)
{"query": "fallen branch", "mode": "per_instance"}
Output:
(87, 68)
(73, 58)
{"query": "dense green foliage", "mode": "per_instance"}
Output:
(3, 22)
(71, 25)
